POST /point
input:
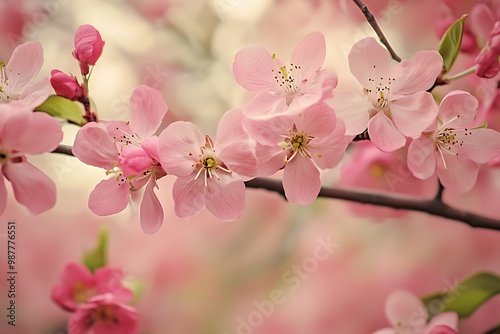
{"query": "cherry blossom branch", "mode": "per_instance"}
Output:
(374, 24)
(433, 207)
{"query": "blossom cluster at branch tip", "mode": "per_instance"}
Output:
(97, 300)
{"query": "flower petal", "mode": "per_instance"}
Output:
(225, 197)
(384, 135)
(147, 111)
(151, 210)
(441, 329)
(404, 308)
(32, 188)
(329, 150)
(265, 106)
(301, 181)
(255, 69)
(482, 21)
(422, 157)
(35, 94)
(318, 120)
(352, 109)
(309, 54)
(417, 73)
(179, 146)
(481, 145)
(457, 109)
(24, 65)
(448, 319)
(270, 131)
(133, 160)
(271, 158)
(109, 197)
(368, 60)
(460, 173)
(413, 114)
(94, 146)
(3, 194)
(189, 195)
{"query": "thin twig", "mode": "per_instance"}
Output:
(434, 207)
(373, 23)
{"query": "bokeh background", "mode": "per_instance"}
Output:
(202, 275)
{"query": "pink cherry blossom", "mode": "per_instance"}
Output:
(210, 172)
(300, 144)
(88, 47)
(103, 314)
(453, 147)
(16, 78)
(129, 152)
(407, 314)
(395, 103)
(487, 65)
(78, 285)
(25, 132)
(66, 85)
(284, 87)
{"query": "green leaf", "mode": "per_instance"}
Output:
(96, 258)
(64, 108)
(451, 42)
(465, 297)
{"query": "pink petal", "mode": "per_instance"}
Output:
(416, 74)
(35, 94)
(301, 181)
(309, 54)
(481, 145)
(3, 194)
(24, 65)
(413, 114)
(386, 331)
(458, 109)
(270, 159)
(110, 280)
(265, 106)
(147, 111)
(189, 195)
(482, 21)
(446, 319)
(254, 69)
(118, 129)
(109, 197)
(402, 307)
(369, 60)
(234, 145)
(179, 145)
(25, 178)
(150, 146)
(151, 210)
(422, 157)
(133, 160)
(318, 121)
(460, 174)
(74, 274)
(270, 131)
(352, 109)
(225, 197)
(384, 135)
(329, 150)
(94, 146)
(321, 83)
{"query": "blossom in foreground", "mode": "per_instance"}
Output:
(452, 146)
(103, 314)
(78, 284)
(129, 152)
(24, 132)
(395, 103)
(88, 47)
(408, 315)
(300, 144)
(284, 87)
(210, 172)
(16, 77)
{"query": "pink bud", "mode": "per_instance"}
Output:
(65, 85)
(487, 61)
(88, 47)
(133, 160)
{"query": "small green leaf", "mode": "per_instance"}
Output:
(465, 297)
(96, 258)
(451, 42)
(64, 108)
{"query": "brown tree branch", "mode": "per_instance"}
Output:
(433, 207)
(373, 23)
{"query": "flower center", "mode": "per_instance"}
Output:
(82, 293)
(296, 142)
(208, 162)
(5, 95)
(288, 80)
(102, 314)
(379, 91)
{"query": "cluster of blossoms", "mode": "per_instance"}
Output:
(97, 300)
